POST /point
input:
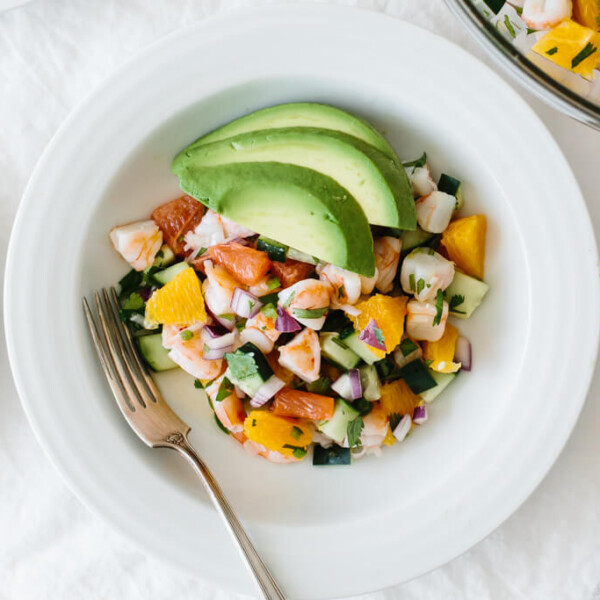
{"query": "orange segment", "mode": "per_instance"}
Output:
(179, 302)
(397, 398)
(389, 313)
(286, 436)
(441, 353)
(464, 241)
(587, 13)
(571, 46)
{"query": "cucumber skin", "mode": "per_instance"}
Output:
(336, 428)
(342, 357)
(443, 380)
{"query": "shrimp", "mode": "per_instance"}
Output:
(434, 211)
(267, 285)
(233, 230)
(420, 320)
(425, 272)
(387, 256)
(307, 295)
(367, 284)
(273, 456)
(375, 428)
(137, 242)
(260, 329)
(421, 181)
(545, 14)
(302, 355)
(230, 410)
(209, 232)
(189, 353)
(218, 288)
(347, 286)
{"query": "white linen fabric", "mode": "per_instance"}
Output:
(52, 54)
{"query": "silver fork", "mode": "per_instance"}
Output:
(156, 424)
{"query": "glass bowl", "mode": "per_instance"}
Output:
(510, 46)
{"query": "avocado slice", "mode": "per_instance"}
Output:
(302, 114)
(293, 205)
(381, 187)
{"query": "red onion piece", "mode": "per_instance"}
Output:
(462, 353)
(286, 323)
(229, 324)
(403, 428)
(266, 391)
(348, 385)
(219, 341)
(420, 415)
(214, 331)
(368, 336)
(145, 293)
(216, 353)
(244, 304)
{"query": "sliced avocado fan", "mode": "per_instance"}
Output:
(302, 114)
(294, 205)
(378, 184)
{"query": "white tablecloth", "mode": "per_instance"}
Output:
(53, 53)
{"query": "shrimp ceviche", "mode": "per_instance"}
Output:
(307, 281)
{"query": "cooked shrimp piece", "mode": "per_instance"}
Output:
(302, 355)
(544, 14)
(346, 286)
(175, 219)
(434, 211)
(218, 288)
(207, 233)
(267, 285)
(260, 329)
(387, 256)
(257, 449)
(230, 410)
(367, 284)
(420, 320)
(233, 230)
(421, 181)
(188, 353)
(375, 429)
(137, 243)
(307, 295)
(424, 272)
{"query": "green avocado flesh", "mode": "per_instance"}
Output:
(302, 114)
(293, 205)
(378, 184)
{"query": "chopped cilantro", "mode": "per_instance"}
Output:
(585, 53)
(379, 335)
(240, 324)
(228, 316)
(310, 313)
(201, 252)
(509, 26)
(394, 418)
(130, 283)
(296, 432)
(180, 239)
(225, 389)
(198, 384)
(134, 302)
(364, 407)
(552, 51)
(241, 364)
(297, 451)
(220, 425)
(253, 422)
(419, 162)
(354, 430)
(273, 283)
(429, 362)
(339, 342)
(186, 335)
(269, 311)
(412, 284)
(407, 347)
(420, 285)
(320, 386)
(287, 303)
(439, 307)
(251, 304)
(455, 301)
(341, 292)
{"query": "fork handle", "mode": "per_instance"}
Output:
(262, 576)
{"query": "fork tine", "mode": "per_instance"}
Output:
(154, 393)
(107, 363)
(116, 353)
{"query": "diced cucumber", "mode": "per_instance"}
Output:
(164, 258)
(337, 426)
(359, 347)
(276, 251)
(166, 275)
(451, 186)
(301, 256)
(414, 239)
(442, 380)
(248, 368)
(336, 351)
(387, 369)
(334, 455)
(417, 376)
(153, 352)
(370, 383)
(468, 289)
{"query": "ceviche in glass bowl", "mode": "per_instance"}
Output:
(551, 46)
(308, 281)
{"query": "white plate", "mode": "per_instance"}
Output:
(490, 439)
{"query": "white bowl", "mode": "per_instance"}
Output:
(489, 440)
